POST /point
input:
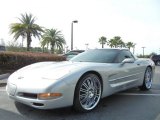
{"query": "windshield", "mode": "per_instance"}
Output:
(97, 55)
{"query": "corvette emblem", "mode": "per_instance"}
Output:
(20, 77)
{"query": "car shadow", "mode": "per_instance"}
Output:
(8, 115)
(109, 106)
(37, 114)
(67, 113)
(105, 106)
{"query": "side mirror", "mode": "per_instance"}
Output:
(128, 60)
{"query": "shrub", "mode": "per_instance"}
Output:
(16, 60)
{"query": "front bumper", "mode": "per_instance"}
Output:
(31, 98)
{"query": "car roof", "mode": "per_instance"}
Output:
(112, 49)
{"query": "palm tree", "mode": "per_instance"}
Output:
(121, 44)
(53, 38)
(116, 42)
(111, 43)
(102, 40)
(26, 29)
(129, 45)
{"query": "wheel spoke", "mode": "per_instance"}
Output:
(85, 85)
(83, 90)
(83, 101)
(83, 95)
(89, 82)
(90, 92)
(92, 84)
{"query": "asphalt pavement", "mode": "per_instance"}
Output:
(131, 104)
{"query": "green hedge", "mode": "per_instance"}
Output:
(16, 60)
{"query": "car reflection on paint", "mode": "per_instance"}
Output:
(72, 54)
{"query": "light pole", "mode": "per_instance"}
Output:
(75, 21)
(143, 50)
(86, 46)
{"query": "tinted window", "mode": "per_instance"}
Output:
(98, 55)
(123, 55)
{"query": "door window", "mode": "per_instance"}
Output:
(123, 55)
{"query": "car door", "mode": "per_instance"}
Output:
(126, 73)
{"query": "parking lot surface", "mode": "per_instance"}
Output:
(132, 104)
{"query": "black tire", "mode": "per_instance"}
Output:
(87, 93)
(148, 78)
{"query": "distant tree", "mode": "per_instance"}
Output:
(54, 39)
(121, 44)
(102, 41)
(26, 29)
(14, 46)
(129, 45)
(111, 43)
(116, 42)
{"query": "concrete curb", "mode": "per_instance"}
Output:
(4, 76)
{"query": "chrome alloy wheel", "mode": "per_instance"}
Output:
(90, 92)
(148, 78)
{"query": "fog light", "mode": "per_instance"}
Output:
(44, 96)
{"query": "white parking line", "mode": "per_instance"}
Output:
(138, 94)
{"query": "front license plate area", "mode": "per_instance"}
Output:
(11, 89)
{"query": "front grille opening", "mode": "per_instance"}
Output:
(28, 95)
(38, 104)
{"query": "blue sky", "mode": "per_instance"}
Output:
(134, 20)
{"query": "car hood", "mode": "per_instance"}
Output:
(46, 70)
(43, 74)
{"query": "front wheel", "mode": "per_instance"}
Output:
(148, 78)
(88, 93)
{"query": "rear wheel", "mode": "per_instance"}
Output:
(88, 93)
(148, 77)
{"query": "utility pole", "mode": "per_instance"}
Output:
(143, 50)
(86, 46)
(75, 21)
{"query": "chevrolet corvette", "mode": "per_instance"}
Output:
(80, 82)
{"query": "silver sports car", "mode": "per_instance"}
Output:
(80, 82)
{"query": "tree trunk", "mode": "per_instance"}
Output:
(129, 48)
(52, 47)
(28, 41)
(43, 48)
(52, 50)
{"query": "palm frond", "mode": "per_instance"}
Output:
(54, 38)
(26, 28)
